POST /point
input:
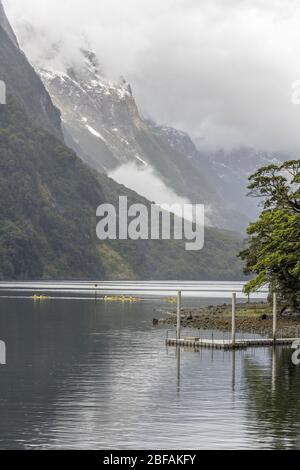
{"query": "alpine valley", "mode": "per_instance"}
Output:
(54, 173)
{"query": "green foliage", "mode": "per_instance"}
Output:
(273, 251)
(47, 201)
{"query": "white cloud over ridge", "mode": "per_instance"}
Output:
(221, 70)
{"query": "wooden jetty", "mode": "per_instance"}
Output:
(233, 343)
(227, 344)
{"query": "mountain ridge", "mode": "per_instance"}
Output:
(21, 79)
(103, 119)
(5, 24)
(49, 197)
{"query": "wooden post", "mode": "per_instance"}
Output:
(233, 319)
(274, 317)
(178, 315)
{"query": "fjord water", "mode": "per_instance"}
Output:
(86, 374)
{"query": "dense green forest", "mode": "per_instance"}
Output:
(48, 218)
(273, 252)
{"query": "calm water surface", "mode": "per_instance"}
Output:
(88, 375)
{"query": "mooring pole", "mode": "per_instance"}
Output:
(178, 315)
(274, 317)
(233, 319)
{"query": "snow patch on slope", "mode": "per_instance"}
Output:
(141, 160)
(94, 132)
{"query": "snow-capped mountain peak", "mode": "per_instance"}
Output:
(96, 111)
(103, 125)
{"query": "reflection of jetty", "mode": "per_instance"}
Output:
(233, 343)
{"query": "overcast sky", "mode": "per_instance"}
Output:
(219, 69)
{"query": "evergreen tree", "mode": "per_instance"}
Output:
(273, 251)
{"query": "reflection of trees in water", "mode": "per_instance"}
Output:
(274, 399)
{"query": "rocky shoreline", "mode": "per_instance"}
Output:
(251, 318)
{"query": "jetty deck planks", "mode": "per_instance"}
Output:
(227, 344)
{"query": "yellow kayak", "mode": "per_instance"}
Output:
(39, 297)
(121, 299)
(170, 300)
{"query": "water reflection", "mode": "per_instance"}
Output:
(233, 358)
(270, 385)
(273, 398)
(178, 357)
(85, 374)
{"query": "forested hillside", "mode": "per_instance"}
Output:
(48, 202)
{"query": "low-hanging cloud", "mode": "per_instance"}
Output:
(221, 70)
(148, 184)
